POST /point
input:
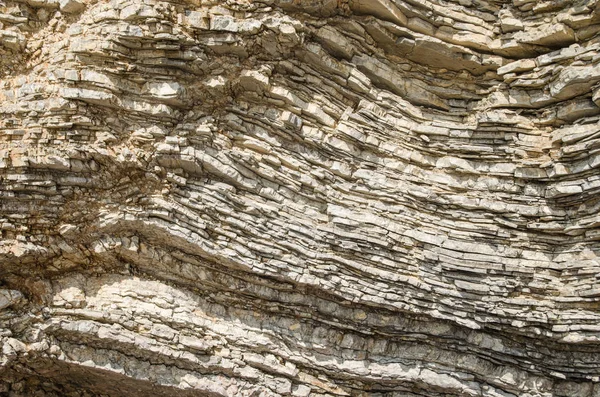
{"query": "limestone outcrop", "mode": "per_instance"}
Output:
(300, 198)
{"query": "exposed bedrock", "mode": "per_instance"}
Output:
(300, 198)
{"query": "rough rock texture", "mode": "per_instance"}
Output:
(300, 197)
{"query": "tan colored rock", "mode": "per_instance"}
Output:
(299, 198)
(71, 6)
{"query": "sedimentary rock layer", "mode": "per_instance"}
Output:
(305, 198)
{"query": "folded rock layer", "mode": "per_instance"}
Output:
(300, 198)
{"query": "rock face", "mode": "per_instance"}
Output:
(300, 198)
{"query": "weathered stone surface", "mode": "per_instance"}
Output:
(299, 198)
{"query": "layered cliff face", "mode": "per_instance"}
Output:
(305, 198)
